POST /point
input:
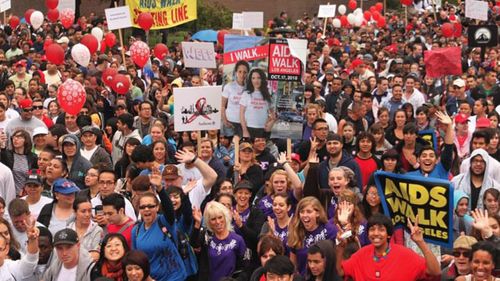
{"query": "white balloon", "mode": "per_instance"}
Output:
(97, 32)
(351, 18)
(342, 9)
(36, 19)
(81, 54)
(358, 11)
(336, 23)
(358, 20)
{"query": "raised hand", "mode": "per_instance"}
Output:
(314, 143)
(155, 178)
(189, 186)
(197, 215)
(443, 117)
(282, 158)
(415, 231)
(237, 219)
(272, 227)
(481, 222)
(32, 231)
(313, 157)
(345, 211)
(184, 156)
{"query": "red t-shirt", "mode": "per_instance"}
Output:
(127, 233)
(400, 263)
(367, 168)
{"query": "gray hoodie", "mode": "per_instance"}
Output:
(84, 268)
(462, 182)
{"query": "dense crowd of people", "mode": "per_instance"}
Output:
(115, 193)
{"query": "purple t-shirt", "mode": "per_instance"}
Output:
(322, 232)
(282, 234)
(362, 232)
(244, 217)
(223, 255)
(266, 204)
(332, 207)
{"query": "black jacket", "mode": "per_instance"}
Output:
(7, 157)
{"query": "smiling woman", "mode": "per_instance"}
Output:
(113, 249)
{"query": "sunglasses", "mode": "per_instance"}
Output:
(27, 109)
(38, 107)
(143, 207)
(457, 254)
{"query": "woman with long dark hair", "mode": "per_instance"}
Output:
(394, 133)
(255, 104)
(114, 247)
(231, 96)
(122, 164)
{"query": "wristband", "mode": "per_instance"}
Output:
(194, 159)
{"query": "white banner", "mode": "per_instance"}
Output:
(198, 54)
(118, 18)
(253, 20)
(237, 21)
(326, 11)
(5, 5)
(197, 108)
(66, 4)
(476, 10)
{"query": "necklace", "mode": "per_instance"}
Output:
(383, 256)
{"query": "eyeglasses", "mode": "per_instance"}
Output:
(143, 207)
(38, 107)
(457, 254)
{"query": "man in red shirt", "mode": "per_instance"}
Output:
(381, 261)
(114, 210)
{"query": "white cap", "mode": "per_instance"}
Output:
(62, 40)
(40, 131)
(459, 82)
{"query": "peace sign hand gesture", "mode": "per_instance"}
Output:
(416, 233)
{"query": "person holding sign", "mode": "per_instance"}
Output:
(381, 261)
(255, 104)
(427, 158)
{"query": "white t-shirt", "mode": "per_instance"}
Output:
(57, 224)
(233, 93)
(256, 109)
(11, 113)
(67, 274)
(37, 207)
(129, 209)
(19, 270)
(198, 194)
(188, 174)
(87, 154)
(331, 121)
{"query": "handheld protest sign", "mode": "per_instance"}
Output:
(404, 197)
(482, 36)
(197, 108)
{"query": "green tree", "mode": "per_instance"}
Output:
(213, 15)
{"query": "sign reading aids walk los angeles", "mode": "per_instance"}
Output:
(405, 197)
(283, 65)
(197, 108)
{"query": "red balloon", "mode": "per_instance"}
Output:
(379, 6)
(447, 29)
(139, 52)
(27, 15)
(51, 4)
(406, 2)
(452, 17)
(55, 54)
(343, 20)
(160, 51)
(381, 22)
(53, 15)
(108, 74)
(103, 47)
(90, 42)
(457, 29)
(47, 43)
(145, 21)
(220, 36)
(14, 22)
(71, 96)
(67, 17)
(373, 9)
(367, 15)
(376, 15)
(110, 39)
(120, 84)
(352, 5)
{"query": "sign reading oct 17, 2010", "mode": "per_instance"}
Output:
(197, 108)
(404, 197)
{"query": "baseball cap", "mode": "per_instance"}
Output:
(398, 60)
(69, 139)
(65, 186)
(368, 57)
(461, 118)
(65, 236)
(20, 63)
(33, 177)
(357, 62)
(459, 83)
(464, 242)
(40, 131)
(90, 129)
(483, 122)
(170, 172)
(335, 42)
(245, 145)
(26, 103)
(244, 184)
(295, 157)
(63, 40)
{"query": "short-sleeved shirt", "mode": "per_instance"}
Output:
(224, 254)
(256, 109)
(233, 93)
(399, 264)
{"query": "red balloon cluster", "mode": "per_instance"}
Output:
(367, 15)
(71, 96)
(447, 29)
(406, 2)
(381, 22)
(379, 7)
(160, 51)
(90, 42)
(51, 4)
(55, 54)
(53, 15)
(352, 5)
(145, 21)
(67, 18)
(376, 16)
(220, 36)
(343, 20)
(14, 22)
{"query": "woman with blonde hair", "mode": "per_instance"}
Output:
(247, 168)
(223, 252)
(308, 226)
